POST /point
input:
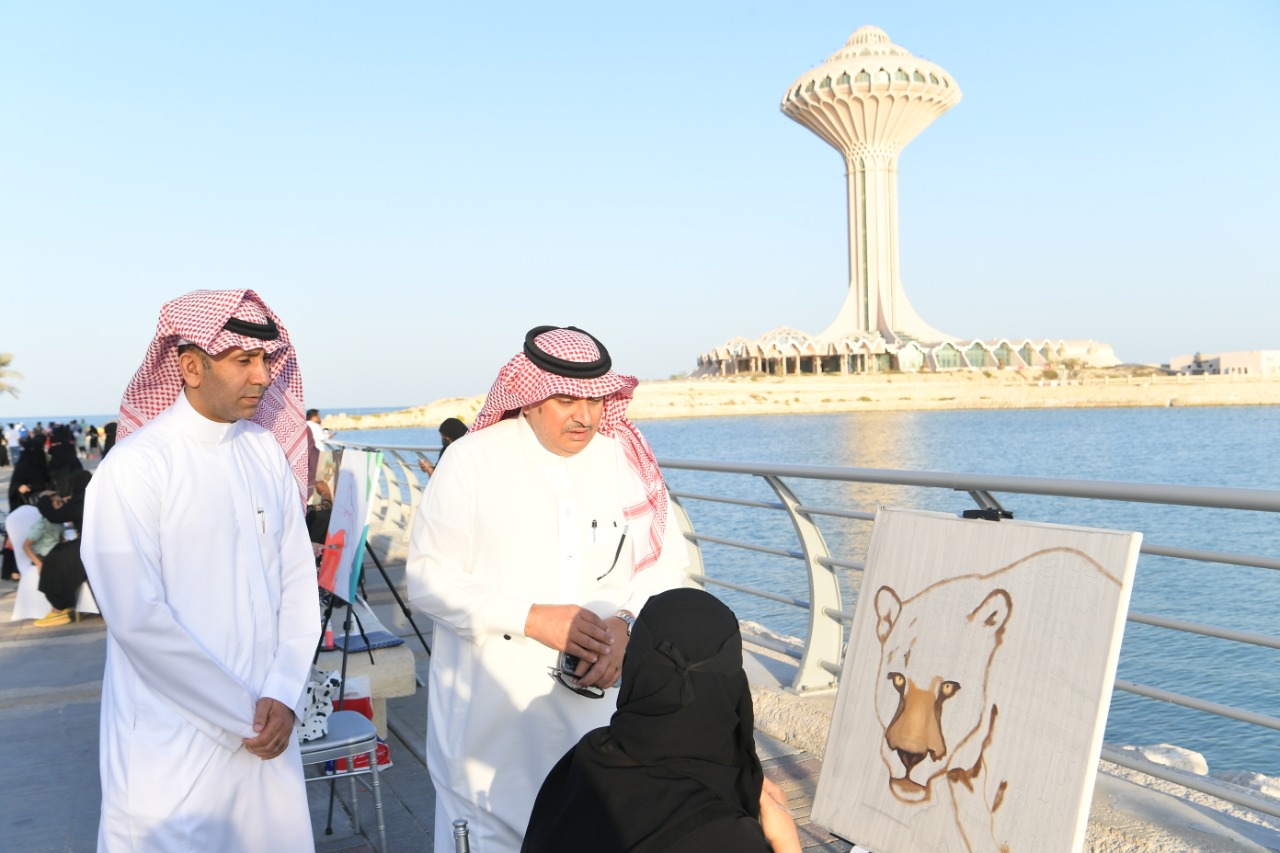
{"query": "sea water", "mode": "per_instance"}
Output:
(1221, 446)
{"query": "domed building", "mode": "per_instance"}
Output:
(868, 100)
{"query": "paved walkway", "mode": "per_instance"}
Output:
(50, 690)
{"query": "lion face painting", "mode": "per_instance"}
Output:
(973, 694)
(931, 697)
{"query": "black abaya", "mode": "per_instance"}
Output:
(676, 768)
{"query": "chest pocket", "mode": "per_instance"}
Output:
(268, 530)
(609, 563)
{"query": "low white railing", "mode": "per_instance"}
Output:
(818, 655)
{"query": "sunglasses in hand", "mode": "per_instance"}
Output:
(564, 674)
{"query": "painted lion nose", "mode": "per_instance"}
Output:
(917, 729)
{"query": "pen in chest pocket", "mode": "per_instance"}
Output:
(617, 553)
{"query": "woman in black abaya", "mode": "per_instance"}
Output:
(676, 768)
(63, 461)
(63, 570)
(30, 474)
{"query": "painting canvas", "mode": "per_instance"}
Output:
(356, 478)
(975, 686)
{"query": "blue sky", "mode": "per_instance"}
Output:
(414, 185)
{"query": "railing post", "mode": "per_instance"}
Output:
(826, 635)
(412, 489)
(696, 569)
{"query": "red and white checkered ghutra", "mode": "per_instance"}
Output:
(198, 318)
(522, 383)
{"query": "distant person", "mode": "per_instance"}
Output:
(41, 537)
(30, 474)
(28, 602)
(545, 534)
(318, 433)
(95, 443)
(12, 437)
(195, 546)
(64, 459)
(675, 771)
(62, 573)
(8, 562)
(451, 429)
(109, 440)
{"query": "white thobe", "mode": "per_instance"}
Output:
(197, 550)
(30, 602)
(505, 524)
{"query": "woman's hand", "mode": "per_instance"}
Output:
(776, 820)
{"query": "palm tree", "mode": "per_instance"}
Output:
(7, 374)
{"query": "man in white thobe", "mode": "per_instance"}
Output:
(196, 548)
(545, 532)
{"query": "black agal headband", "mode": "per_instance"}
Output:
(267, 331)
(562, 367)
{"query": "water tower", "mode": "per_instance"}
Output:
(868, 100)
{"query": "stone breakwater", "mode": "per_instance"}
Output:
(776, 395)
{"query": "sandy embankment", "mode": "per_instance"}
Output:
(771, 395)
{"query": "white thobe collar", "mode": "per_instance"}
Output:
(200, 428)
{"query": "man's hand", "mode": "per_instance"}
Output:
(569, 628)
(605, 672)
(274, 724)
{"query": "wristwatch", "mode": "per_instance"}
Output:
(626, 617)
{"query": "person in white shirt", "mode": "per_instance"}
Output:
(543, 531)
(318, 433)
(13, 440)
(196, 548)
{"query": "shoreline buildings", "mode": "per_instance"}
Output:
(868, 100)
(1254, 362)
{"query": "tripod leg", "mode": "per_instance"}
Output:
(328, 827)
(346, 642)
(360, 627)
(404, 608)
(328, 613)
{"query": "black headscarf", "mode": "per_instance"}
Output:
(452, 429)
(678, 756)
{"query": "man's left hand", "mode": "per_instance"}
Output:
(604, 673)
(273, 722)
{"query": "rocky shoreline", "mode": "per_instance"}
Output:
(774, 395)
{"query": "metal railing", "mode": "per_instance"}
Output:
(818, 655)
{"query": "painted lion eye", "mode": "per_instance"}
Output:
(949, 689)
(898, 681)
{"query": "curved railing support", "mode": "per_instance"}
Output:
(696, 571)
(826, 635)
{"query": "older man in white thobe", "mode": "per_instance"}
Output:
(543, 531)
(197, 551)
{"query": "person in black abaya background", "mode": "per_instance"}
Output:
(676, 768)
(63, 571)
(30, 474)
(63, 458)
(109, 431)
